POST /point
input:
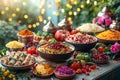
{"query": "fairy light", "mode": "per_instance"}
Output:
(40, 6)
(40, 18)
(49, 6)
(13, 14)
(58, 1)
(49, 18)
(9, 19)
(78, 9)
(75, 2)
(70, 12)
(42, 11)
(69, 19)
(69, 6)
(25, 16)
(24, 3)
(2, 12)
(88, 1)
(37, 23)
(44, 21)
(62, 10)
(6, 8)
(95, 3)
(17, 9)
(29, 26)
(75, 13)
(82, 6)
(34, 25)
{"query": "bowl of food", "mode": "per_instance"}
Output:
(25, 36)
(18, 61)
(82, 42)
(56, 52)
(109, 36)
(15, 46)
(43, 70)
(64, 73)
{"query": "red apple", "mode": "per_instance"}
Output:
(60, 35)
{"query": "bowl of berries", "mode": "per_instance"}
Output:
(56, 52)
(82, 42)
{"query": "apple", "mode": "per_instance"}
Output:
(60, 35)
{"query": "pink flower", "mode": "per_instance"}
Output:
(108, 21)
(104, 20)
(115, 48)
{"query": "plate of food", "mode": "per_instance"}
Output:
(18, 60)
(43, 71)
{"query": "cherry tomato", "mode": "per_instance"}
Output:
(32, 50)
(74, 32)
(101, 49)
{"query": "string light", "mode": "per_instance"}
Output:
(9, 19)
(40, 18)
(69, 19)
(24, 3)
(29, 26)
(75, 13)
(25, 16)
(58, 1)
(6, 8)
(49, 18)
(75, 2)
(88, 1)
(62, 10)
(95, 3)
(44, 21)
(54, 12)
(2, 12)
(82, 6)
(17, 9)
(42, 11)
(69, 6)
(78, 9)
(49, 5)
(37, 23)
(34, 25)
(70, 12)
(13, 14)
(40, 6)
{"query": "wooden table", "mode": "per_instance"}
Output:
(108, 71)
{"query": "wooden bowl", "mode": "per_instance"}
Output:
(43, 76)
